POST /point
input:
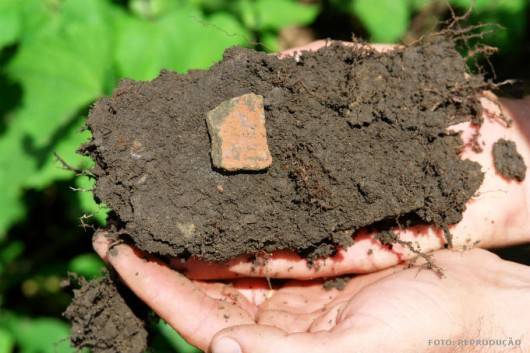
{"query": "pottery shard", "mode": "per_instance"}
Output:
(238, 135)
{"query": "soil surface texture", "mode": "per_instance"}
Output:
(102, 318)
(356, 138)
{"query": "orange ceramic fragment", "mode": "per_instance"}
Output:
(238, 135)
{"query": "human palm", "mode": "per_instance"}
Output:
(372, 313)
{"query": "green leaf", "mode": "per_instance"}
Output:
(41, 335)
(63, 79)
(511, 36)
(386, 20)
(62, 68)
(478, 6)
(248, 14)
(270, 41)
(10, 22)
(51, 168)
(211, 37)
(419, 4)
(88, 265)
(11, 251)
(22, 167)
(146, 47)
(61, 72)
(139, 48)
(39, 19)
(16, 165)
(481, 6)
(511, 15)
(154, 8)
(226, 31)
(92, 210)
(277, 14)
(7, 342)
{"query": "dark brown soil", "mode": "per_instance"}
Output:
(508, 161)
(357, 138)
(102, 318)
(338, 283)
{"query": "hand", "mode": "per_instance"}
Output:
(480, 297)
(384, 311)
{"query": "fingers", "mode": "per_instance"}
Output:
(269, 339)
(373, 320)
(366, 255)
(101, 243)
(181, 303)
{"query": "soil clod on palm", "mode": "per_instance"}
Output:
(356, 137)
(508, 161)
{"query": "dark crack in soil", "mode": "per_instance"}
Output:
(356, 137)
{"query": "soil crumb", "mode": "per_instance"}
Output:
(103, 321)
(508, 161)
(357, 137)
(338, 283)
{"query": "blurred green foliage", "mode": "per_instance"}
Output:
(58, 56)
(387, 21)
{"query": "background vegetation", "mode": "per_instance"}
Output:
(59, 56)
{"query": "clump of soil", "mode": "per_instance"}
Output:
(508, 161)
(102, 318)
(338, 283)
(356, 137)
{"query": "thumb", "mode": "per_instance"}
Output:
(270, 339)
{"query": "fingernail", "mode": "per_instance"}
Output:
(226, 345)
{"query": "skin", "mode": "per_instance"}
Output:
(386, 309)
(394, 310)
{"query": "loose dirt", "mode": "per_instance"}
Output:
(356, 137)
(508, 161)
(102, 318)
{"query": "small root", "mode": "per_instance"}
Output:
(389, 237)
(78, 172)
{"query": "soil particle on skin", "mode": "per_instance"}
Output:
(508, 161)
(356, 137)
(103, 321)
(338, 283)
